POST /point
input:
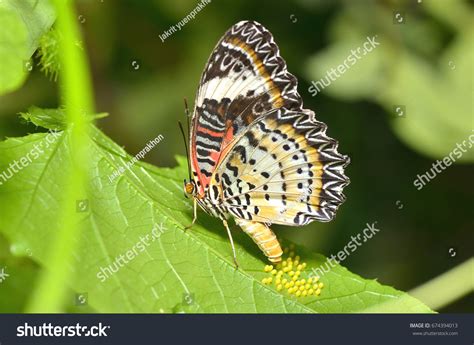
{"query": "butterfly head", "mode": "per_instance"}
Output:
(190, 188)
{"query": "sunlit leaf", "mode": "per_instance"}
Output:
(179, 266)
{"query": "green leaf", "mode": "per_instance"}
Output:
(180, 271)
(54, 119)
(23, 24)
(47, 118)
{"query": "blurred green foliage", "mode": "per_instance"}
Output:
(23, 24)
(413, 67)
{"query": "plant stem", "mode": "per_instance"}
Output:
(447, 287)
(76, 92)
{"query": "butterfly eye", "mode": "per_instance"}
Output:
(189, 187)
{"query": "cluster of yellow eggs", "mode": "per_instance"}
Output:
(286, 275)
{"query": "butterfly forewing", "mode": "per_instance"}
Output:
(244, 79)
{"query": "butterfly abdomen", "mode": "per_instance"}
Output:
(264, 237)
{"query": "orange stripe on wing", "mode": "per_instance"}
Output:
(274, 91)
(210, 132)
(215, 155)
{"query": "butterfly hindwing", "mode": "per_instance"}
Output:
(244, 79)
(292, 174)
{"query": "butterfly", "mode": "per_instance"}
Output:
(254, 153)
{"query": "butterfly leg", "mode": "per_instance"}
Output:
(194, 217)
(231, 243)
(264, 237)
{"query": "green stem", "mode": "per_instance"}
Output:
(76, 92)
(447, 287)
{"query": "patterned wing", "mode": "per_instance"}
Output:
(284, 169)
(244, 79)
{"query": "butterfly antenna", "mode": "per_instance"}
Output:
(185, 141)
(186, 147)
(186, 109)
